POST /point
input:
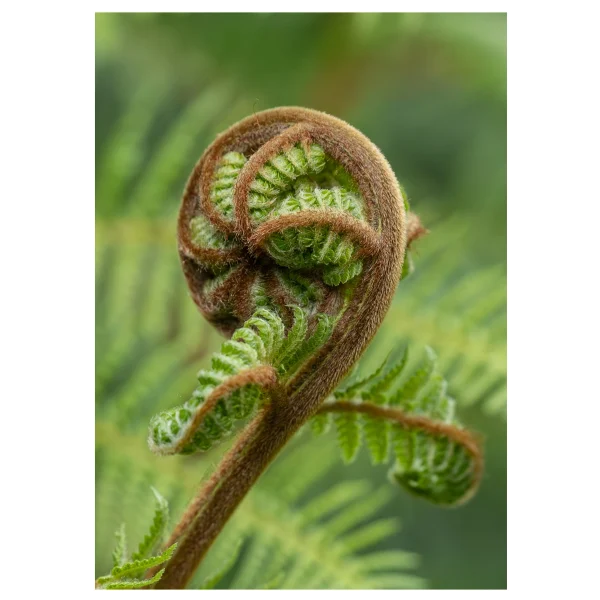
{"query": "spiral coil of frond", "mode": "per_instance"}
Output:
(274, 232)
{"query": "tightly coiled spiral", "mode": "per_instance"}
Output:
(272, 214)
(274, 232)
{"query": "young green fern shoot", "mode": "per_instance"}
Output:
(258, 357)
(129, 573)
(293, 235)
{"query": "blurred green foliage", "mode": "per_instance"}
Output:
(430, 91)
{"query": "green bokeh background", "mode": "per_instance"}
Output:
(430, 91)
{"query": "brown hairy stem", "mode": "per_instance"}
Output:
(437, 428)
(261, 136)
(210, 486)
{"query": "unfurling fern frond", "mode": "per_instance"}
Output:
(129, 574)
(436, 458)
(292, 235)
(254, 361)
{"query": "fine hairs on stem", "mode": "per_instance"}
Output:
(292, 237)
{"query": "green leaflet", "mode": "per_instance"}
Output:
(305, 292)
(440, 467)
(377, 438)
(416, 382)
(310, 345)
(320, 423)
(132, 584)
(261, 341)
(408, 266)
(225, 177)
(274, 583)
(129, 574)
(348, 435)
(157, 530)
(377, 389)
(138, 567)
(299, 180)
(206, 235)
(120, 551)
(361, 382)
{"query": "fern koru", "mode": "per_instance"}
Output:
(293, 235)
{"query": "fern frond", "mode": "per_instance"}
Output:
(360, 383)
(334, 499)
(435, 457)
(137, 567)
(417, 381)
(128, 573)
(157, 530)
(348, 435)
(148, 352)
(261, 559)
(123, 152)
(251, 362)
(133, 584)
(120, 551)
(380, 387)
(352, 514)
(165, 166)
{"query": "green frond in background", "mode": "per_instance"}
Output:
(458, 310)
(429, 90)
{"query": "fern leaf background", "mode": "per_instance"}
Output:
(430, 91)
